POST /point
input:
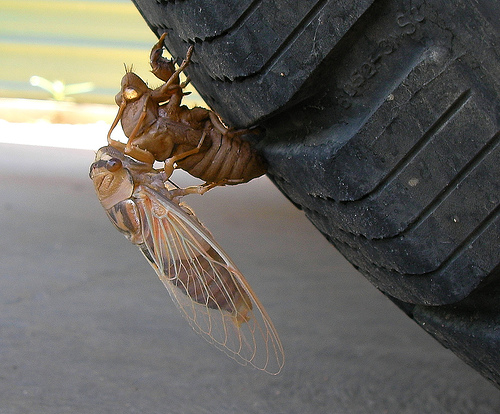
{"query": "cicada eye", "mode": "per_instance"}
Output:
(130, 94)
(113, 165)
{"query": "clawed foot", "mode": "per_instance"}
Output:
(162, 68)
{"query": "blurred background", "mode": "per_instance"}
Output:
(61, 63)
(72, 42)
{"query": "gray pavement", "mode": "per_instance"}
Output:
(87, 327)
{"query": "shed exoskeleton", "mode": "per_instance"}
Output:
(159, 127)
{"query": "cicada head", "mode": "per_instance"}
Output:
(113, 182)
(132, 88)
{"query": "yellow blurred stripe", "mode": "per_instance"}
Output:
(74, 52)
(62, 7)
(91, 20)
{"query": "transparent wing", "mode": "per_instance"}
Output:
(204, 283)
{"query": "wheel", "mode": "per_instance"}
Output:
(382, 124)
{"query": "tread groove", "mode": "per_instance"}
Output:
(452, 256)
(439, 124)
(308, 18)
(240, 21)
(290, 39)
(453, 183)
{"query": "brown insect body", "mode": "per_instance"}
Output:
(158, 127)
(122, 192)
(201, 279)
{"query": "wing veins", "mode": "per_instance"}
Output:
(180, 237)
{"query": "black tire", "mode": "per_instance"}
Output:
(382, 123)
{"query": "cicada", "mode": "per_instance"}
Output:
(159, 127)
(202, 280)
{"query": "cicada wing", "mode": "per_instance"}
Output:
(205, 284)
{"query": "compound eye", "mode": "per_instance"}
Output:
(130, 94)
(113, 165)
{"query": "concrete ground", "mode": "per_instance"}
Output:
(87, 327)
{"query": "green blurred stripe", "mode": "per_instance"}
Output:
(71, 41)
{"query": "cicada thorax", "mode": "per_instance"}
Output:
(138, 116)
(163, 138)
(221, 156)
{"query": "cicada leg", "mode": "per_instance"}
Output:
(129, 149)
(166, 90)
(201, 189)
(117, 144)
(228, 132)
(170, 166)
(162, 68)
(140, 154)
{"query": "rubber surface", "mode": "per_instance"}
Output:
(382, 124)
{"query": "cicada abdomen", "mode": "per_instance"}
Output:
(227, 158)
